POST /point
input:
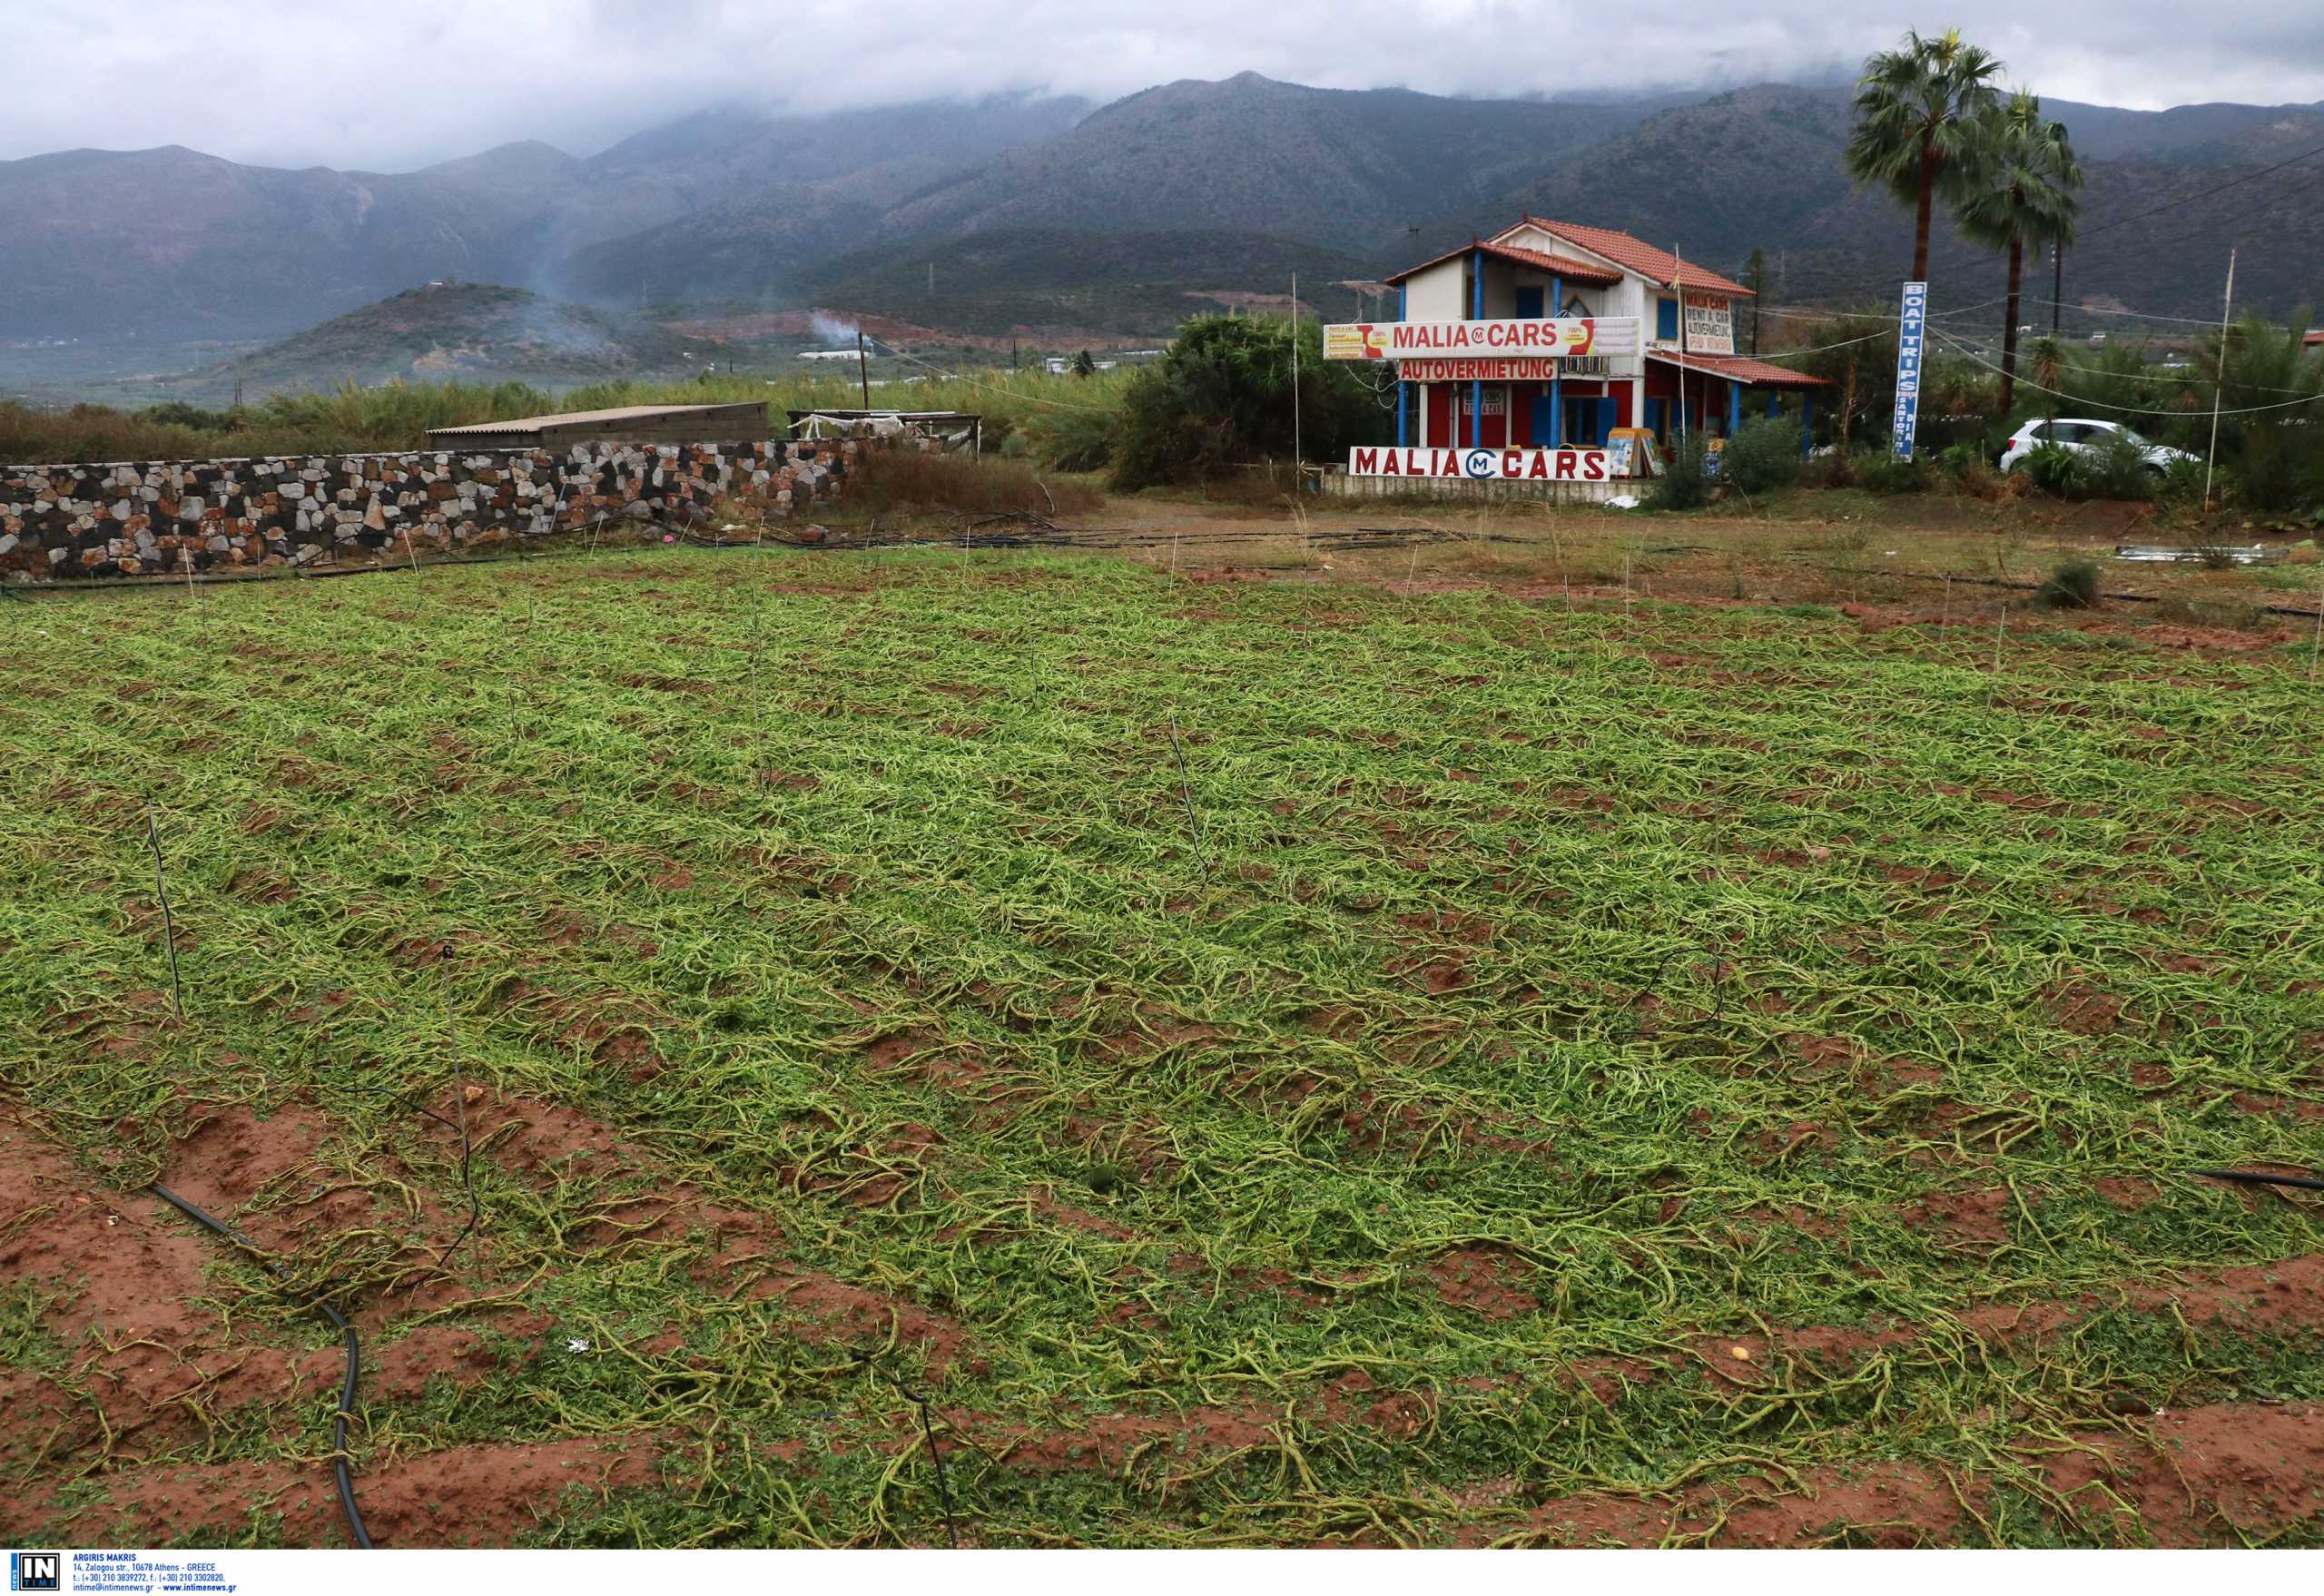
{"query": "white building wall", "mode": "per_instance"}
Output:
(1435, 295)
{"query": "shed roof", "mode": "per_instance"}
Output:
(586, 419)
(1739, 369)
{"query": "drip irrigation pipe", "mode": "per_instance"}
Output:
(2260, 1178)
(337, 1321)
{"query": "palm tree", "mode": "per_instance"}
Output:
(1914, 107)
(2021, 188)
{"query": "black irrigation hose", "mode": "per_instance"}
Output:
(337, 1321)
(943, 1486)
(2260, 1178)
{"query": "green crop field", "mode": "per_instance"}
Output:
(1268, 1062)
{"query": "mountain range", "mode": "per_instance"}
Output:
(1024, 211)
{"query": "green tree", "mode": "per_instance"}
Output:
(1914, 108)
(1222, 395)
(1083, 366)
(2271, 401)
(2020, 185)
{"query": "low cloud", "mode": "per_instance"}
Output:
(298, 82)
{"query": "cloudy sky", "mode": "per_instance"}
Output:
(388, 87)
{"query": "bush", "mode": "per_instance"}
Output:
(1763, 455)
(1882, 472)
(1073, 440)
(2119, 469)
(2073, 585)
(1684, 485)
(897, 480)
(2054, 468)
(1222, 398)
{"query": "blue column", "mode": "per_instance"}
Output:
(1734, 407)
(1557, 398)
(1773, 397)
(1806, 422)
(1477, 390)
(1403, 391)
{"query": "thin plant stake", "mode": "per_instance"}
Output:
(169, 922)
(1187, 793)
(2318, 646)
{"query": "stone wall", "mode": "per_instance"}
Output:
(162, 517)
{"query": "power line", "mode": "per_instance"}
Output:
(2121, 409)
(2295, 190)
(2207, 194)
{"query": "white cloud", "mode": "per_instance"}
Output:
(305, 81)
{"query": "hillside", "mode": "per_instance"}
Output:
(1761, 167)
(1042, 281)
(760, 211)
(471, 330)
(1252, 155)
(172, 243)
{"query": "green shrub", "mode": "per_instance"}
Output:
(1684, 485)
(2054, 468)
(1073, 440)
(1222, 398)
(2073, 585)
(1763, 455)
(2119, 469)
(1882, 472)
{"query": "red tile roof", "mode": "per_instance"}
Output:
(1738, 367)
(1560, 265)
(1658, 265)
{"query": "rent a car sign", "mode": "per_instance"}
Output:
(1571, 337)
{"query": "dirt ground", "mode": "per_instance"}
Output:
(1923, 559)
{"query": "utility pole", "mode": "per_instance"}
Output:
(1757, 267)
(2057, 304)
(863, 367)
(1294, 382)
(1678, 287)
(932, 279)
(2219, 383)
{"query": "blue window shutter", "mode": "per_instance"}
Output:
(1528, 303)
(1666, 319)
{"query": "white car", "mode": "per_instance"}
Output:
(2083, 438)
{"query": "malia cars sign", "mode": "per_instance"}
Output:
(1539, 335)
(1484, 464)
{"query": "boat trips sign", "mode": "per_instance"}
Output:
(1555, 336)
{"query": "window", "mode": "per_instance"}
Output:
(1666, 319)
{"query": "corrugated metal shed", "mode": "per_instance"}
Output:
(742, 423)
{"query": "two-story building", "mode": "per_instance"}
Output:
(1685, 355)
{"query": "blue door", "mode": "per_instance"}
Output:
(1588, 421)
(1541, 435)
(1657, 417)
(1528, 303)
